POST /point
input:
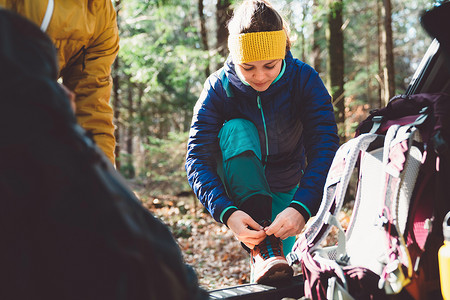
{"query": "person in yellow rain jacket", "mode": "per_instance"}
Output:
(86, 36)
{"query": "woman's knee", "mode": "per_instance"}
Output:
(239, 124)
(238, 136)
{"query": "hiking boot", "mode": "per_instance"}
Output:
(268, 263)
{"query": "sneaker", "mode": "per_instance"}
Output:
(268, 263)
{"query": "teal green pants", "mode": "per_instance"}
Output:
(242, 171)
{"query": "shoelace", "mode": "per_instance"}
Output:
(276, 245)
(270, 247)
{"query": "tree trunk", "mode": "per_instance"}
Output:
(141, 130)
(369, 77)
(130, 132)
(303, 29)
(203, 32)
(223, 15)
(316, 59)
(381, 50)
(335, 38)
(389, 72)
(116, 96)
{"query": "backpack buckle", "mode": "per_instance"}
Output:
(292, 258)
(377, 119)
(376, 123)
(394, 278)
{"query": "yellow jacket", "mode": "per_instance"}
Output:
(86, 36)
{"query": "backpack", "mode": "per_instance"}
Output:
(70, 226)
(390, 245)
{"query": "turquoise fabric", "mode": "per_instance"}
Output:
(238, 136)
(242, 172)
(244, 177)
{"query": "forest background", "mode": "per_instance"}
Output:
(365, 51)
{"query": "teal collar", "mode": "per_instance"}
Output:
(283, 67)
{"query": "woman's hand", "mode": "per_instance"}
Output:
(287, 223)
(245, 229)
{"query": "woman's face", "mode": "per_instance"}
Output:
(260, 74)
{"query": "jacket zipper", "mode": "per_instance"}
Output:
(258, 101)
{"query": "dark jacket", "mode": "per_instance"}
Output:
(300, 126)
(86, 37)
(72, 229)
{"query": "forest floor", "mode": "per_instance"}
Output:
(209, 247)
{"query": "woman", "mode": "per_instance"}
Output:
(86, 36)
(258, 121)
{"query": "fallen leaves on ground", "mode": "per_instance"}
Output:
(209, 247)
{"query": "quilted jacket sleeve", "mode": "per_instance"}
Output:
(203, 149)
(89, 77)
(320, 139)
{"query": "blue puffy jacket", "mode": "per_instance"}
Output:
(295, 121)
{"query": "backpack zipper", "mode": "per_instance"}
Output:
(258, 101)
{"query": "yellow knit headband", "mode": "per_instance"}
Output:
(253, 46)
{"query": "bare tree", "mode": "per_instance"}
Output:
(335, 38)
(116, 96)
(203, 31)
(305, 12)
(368, 60)
(381, 50)
(316, 58)
(223, 15)
(130, 130)
(388, 45)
